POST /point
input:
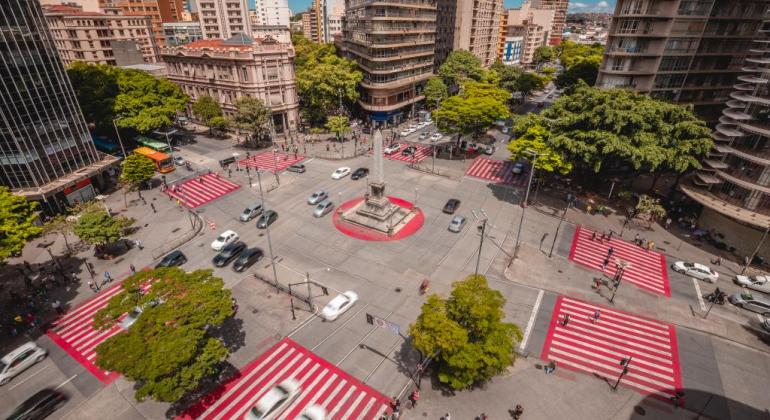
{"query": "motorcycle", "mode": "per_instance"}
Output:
(717, 296)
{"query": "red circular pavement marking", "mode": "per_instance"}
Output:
(359, 232)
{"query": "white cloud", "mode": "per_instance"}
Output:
(602, 5)
(578, 5)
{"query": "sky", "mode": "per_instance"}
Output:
(297, 6)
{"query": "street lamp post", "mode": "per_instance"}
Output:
(481, 242)
(561, 220)
(624, 363)
(120, 141)
(168, 142)
(756, 250)
(267, 230)
(524, 202)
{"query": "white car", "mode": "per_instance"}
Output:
(314, 412)
(436, 137)
(699, 271)
(422, 124)
(758, 283)
(275, 401)
(406, 132)
(225, 238)
(392, 149)
(341, 173)
(19, 360)
(339, 305)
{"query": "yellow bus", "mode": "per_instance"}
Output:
(163, 162)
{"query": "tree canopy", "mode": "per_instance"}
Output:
(338, 124)
(543, 54)
(606, 129)
(96, 87)
(534, 137)
(206, 108)
(459, 66)
(435, 92)
(97, 227)
(136, 169)
(529, 82)
(168, 350)
(474, 110)
(253, 117)
(17, 223)
(571, 53)
(581, 62)
(465, 333)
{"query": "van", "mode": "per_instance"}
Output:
(251, 212)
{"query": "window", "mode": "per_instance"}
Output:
(674, 64)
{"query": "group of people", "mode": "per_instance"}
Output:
(644, 243)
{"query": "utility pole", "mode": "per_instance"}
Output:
(561, 220)
(481, 242)
(120, 141)
(756, 250)
(524, 203)
(267, 230)
(624, 363)
(309, 295)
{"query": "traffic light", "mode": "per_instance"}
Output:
(369, 319)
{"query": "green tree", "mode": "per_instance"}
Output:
(650, 209)
(97, 227)
(465, 333)
(146, 103)
(136, 169)
(219, 123)
(459, 66)
(586, 70)
(96, 87)
(61, 225)
(206, 108)
(435, 92)
(527, 83)
(474, 110)
(338, 124)
(571, 53)
(17, 223)
(253, 117)
(543, 54)
(169, 349)
(534, 137)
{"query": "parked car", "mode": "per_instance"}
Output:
(39, 406)
(392, 149)
(323, 208)
(228, 253)
(424, 135)
(457, 224)
(298, 168)
(266, 219)
(317, 197)
(487, 149)
(252, 211)
(341, 173)
(339, 305)
(173, 259)
(517, 168)
(451, 205)
(359, 173)
(314, 412)
(748, 301)
(699, 271)
(766, 325)
(19, 359)
(409, 151)
(422, 124)
(436, 137)
(758, 283)
(225, 238)
(406, 132)
(179, 161)
(247, 258)
(275, 401)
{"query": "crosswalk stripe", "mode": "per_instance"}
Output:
(309, 398)
(352, 406)
(565, 337)
(86, 310)
(498, 171)
(307, 369)
(194, 192)
(635, 323)
(343, 401)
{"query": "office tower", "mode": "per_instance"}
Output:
(468, 25)
(223, 19)
(394, 45)
(559, 8)
(159, 11)
(681, 51)
(526, 29)
(271, 13)
(46, 151)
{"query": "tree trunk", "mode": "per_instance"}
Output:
(125, 200)
(66, 242)
(655, 178)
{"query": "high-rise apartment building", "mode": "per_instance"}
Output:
(393, 44)
(472, 25)
(101, 38)
(159, 11)
(559, 8)
(526, 29)
(223, 19)
(46, 151)
(733, 187)
(683, 51)
(271, 13)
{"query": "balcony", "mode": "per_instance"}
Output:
(752, 79)
(728, 130)
(391, 105)
(724, 204)
(628, 50)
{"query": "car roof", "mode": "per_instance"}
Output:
(228, 232)
(251, 251)
(458, 218)
(173, 253)
(254, 205)
(18, 350)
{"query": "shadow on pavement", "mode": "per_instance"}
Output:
(700, 404)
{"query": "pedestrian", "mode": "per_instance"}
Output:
(138, 244)
(414, 397)
(483, 416)
(565, 321)
(447, 416)
(132, 268)
(229, 172)
(593, 235)
(597, 314)
(718, 261)
(605, 263)
(295, 154)
(56, 305)
(746, 261)
(609, 236)
(550, 368)
(200, 180)
(637, 239)
(518, 411)
(668, 223)
(650, 245)
(152, 206)
(610, 251)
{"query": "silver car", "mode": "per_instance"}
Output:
(457, 223)
(758, 283)
(250, 212)
(317, 197)
(20, 359)
(753, 303)
(322, 208)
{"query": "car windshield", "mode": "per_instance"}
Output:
(457, 221)
(747, 296)
(336, 302)
(2, 366)
(221, 238)
(690, 265)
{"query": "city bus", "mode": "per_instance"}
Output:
(153, 144)
(163, 162)
(105, 145)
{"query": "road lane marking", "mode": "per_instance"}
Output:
(29, 377)
(531, 321)
(66, 382)
(700, 295)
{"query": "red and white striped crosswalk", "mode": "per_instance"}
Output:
(598, 347)
(647, 268)
(497, 171)
(422, 153)
(74, 333)
(200, 190)
(270, 161)
(321, 383)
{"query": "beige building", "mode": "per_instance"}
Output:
(559, 8)
(270, 13)
(682, 51)
(223, 19)
(240, 66)
(394, 46)
(472, 25)
(101, 38)
(159, 11)
(86, 5)
(527, 26)
(278, 32)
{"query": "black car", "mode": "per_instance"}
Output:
(39, 406)
(298, 168)
(247, 258)
(227, 253)
(266, 219)
(409, 151)
(175, 258)
(451, 205)
(359, 173)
